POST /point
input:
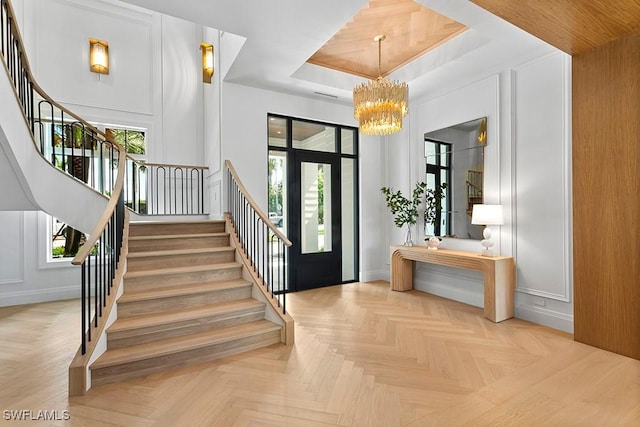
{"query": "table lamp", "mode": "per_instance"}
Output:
(487, 215)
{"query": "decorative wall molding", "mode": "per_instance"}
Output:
(453, 108)
(530, 221)
(134, 17)
(215, 195)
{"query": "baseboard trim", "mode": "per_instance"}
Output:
(546, 317)
(373, 275)
(39, 295)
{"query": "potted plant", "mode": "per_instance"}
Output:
(404, 209)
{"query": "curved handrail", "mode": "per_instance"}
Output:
(95, 235)
(255, 206)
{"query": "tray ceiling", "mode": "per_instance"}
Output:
(410, 29)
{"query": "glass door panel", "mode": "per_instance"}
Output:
(348, 196)
(277, 188)
(315, 207)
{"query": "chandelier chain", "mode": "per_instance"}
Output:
(379, 57)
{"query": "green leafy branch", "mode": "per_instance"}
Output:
(404, 209)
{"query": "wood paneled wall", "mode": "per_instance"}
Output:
(606, 196)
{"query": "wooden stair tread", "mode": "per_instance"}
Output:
(180, 290)
(203, 221)
(177, 236)
(170, 252)
(183, 343)
(144, 320)
(181, 270)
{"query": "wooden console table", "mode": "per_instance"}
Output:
(499, 274)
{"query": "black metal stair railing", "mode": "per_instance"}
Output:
(165, 189)
(98, 260)
(265, 246)
(82, 151)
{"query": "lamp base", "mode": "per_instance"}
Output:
(487, 243)
(487, 252)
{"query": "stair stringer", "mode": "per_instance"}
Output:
(79, 372)
(36, 184)
(273, 312)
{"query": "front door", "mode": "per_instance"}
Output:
(315, 224)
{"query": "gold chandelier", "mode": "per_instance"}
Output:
(380, 104)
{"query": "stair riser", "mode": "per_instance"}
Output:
(182, 358)
(182, 243)
(186, 301)
(160, 332)
(177, 279)
(136, 230)
(183, 260)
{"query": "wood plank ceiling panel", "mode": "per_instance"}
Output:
(573, 26)
(411, 31)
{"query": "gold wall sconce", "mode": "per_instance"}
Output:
(99, 56)
(207, 62)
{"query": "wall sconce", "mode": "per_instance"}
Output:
(207, 62)
(99, 56)
(487, 215)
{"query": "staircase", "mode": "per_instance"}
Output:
(184, 302)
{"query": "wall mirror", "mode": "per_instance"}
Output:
(454, 156)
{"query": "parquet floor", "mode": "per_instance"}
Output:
(363, 356)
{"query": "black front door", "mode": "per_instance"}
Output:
(314, 220)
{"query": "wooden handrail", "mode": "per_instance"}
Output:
(170, 165)
(255, 206)
(85, 250)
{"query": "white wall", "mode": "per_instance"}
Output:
(527, 170)
(154, 83)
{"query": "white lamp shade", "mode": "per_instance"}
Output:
(487, 215)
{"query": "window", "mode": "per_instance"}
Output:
(132, 140)
(64, 241)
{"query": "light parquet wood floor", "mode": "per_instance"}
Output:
(363, 356)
